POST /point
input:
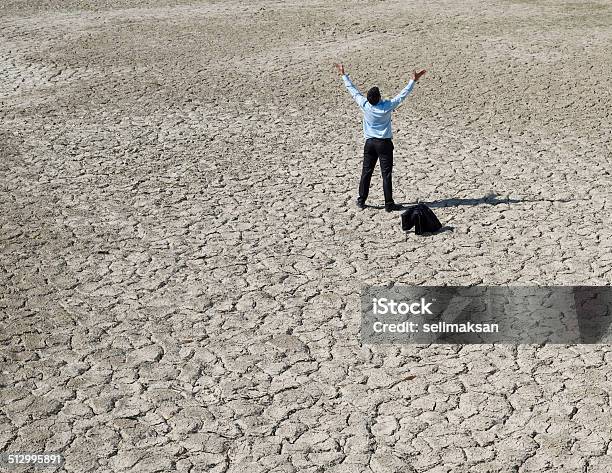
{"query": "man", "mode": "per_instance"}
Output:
(378, 135)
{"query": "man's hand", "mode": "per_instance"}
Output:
(340, 68)
(417, 75)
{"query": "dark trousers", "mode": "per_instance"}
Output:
(374, 149)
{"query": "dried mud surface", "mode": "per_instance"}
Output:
(181, 258)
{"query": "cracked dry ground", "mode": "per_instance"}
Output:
(181, 259)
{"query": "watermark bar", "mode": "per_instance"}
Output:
(52, 460)
(486, 314)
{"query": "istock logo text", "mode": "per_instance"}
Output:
(384, 306)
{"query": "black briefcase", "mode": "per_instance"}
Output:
(421, 218)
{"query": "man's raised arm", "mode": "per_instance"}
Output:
(399, 98)
(357, 96)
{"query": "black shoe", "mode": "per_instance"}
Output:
(393, 206)
(361, 205)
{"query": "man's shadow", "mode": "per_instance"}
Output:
(490, 199)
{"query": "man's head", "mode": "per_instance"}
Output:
(374, 95)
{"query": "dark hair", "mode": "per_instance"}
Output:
(374, 95)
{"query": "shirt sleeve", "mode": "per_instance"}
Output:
(358, 96)
(399, 98)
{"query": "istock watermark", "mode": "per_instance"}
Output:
(486, 314)
(389, 306)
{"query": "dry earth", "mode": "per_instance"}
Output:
(181, 258)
